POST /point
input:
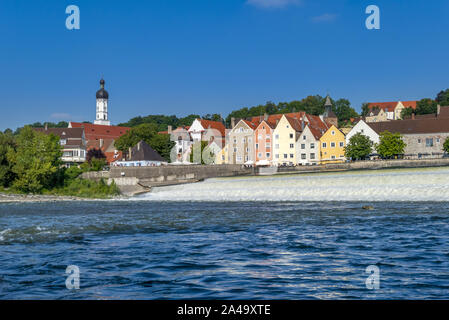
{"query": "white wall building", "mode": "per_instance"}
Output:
(363, 128)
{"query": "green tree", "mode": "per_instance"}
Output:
(426, 106)
(7, 144)
(443, 98)
(148, 133)
(36, 161)
(344, 111)
(207, 155)
(365, 109)
(390, 145)
(359, 147)
(407, 112)
(446, 145)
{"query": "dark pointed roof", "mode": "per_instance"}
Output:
(102, 93)
(143, 152)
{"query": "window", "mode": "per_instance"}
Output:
(292, 145)
(63, 142)
(235, 149)
(303, 146)
(312, 146)
(438, 140)
(312, 156)
(244, 140)
(277, 156)
(276, 146)
(429, 142)
(268, 154)
(324, 145)
(250, 140)
(304, 137)
(260, 137)
(257, 146)
(277, 136)
(333, 133)
(419, 140)
(246, 158)
(239, 158)
(333, 157)
(291, 135)
(285, 156)
(235, 140)
(247, 149)
(332, 144)
(303, 156)
(342, 144)
(259, 155)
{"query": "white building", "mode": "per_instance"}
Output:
(363, 128)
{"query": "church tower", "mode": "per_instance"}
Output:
(102, 106)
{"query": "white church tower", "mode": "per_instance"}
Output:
(102, 106)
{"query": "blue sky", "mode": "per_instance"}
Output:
(213, 56)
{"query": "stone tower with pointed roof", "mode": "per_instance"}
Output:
(329, 116)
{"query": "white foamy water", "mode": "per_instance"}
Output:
(429, 184)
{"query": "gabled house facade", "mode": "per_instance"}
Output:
(263, 142)
(286, 133)
(363, 128)
(241, 143)
(332, 146)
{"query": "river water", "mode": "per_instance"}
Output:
(283, 237)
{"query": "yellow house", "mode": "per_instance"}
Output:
(222, 156)
(285, 135)
(332, 145)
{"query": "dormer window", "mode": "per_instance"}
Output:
(63, 142)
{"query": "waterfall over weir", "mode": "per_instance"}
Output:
(423, 184)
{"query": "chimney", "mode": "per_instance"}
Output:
(101, 143)
(170, 129)
(265, 116)
(438, 110)
(232, 123)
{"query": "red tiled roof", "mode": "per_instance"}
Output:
(391, 106)
(212, 125)
(112, 156)
(96, 131)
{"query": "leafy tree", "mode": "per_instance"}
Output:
(344, 111)
(95, 154)
(446, 145)
(426, 106)
(443, 98)
(205, 152)
(7, 144)
(359, 147)
(390, 145)
(407, 112)
(36, 161)
(365, 109)
(148, 133)
(212, 117)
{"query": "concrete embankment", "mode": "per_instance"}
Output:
(135, 180)
(367, 165)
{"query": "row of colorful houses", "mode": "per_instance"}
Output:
(269, 140)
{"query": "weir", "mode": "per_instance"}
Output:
(399, 185)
